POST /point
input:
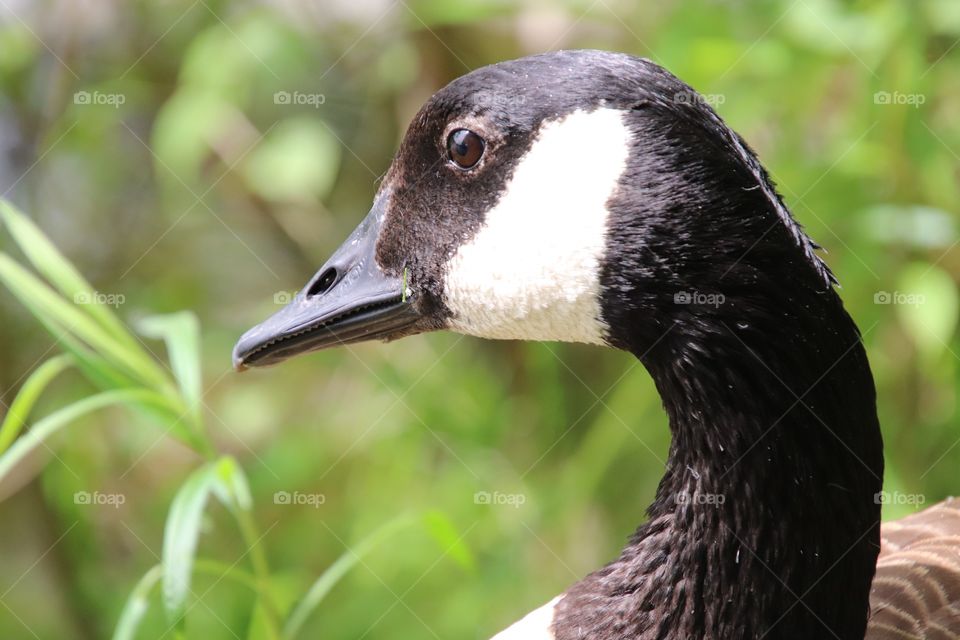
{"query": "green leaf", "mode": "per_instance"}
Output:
(21, 406)
(184, 127)
(451, 542)
(927, 304)
(284, 591)
(232, 488)
(915, 226)
(329, 578)
(182, 529)
(298, 161)
(222, 570)
(43, 302)
(137, 605)
(50, 262)
(52, 423)
(181, 333)
(97, 370)
(164, 410)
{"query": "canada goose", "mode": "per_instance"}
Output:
(593, 197)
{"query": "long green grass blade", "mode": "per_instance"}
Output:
(182, 530)
(137, 605)
(27, 397)
(48, 425)
(329, 578)
(139, 599)
(181, 334)
(62, 275)
(42, 301)
(167, 411)
(164, 410)
(98, 371)
(180, 536)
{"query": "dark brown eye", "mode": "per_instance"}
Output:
(465, 148)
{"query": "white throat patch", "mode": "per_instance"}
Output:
(535, 626)
(532, 272)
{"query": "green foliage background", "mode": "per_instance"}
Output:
(202, 192)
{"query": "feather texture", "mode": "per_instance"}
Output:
(916, 590)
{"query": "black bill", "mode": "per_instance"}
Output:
(349, 300)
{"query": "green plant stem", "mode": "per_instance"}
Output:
(222, 570)
(202, 444)
(261, 570)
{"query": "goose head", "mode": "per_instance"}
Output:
(578, 196)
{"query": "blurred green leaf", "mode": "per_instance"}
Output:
(61, 274)
(137, 604)
(329, 578)
(451, 542)
(181, 333)
(944, 15)
(182, 530)
(19, 46)
(44, 302)
(916, 226)
(16, 416)
(285, 590)
(298, 160)
(244, 49)
(429, 13)
(231, 486)
(926, 302)
(186, 127)
(50, 424)
(163, 410)
(139, 600)
(95, 368)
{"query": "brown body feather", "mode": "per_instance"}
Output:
(916, 591)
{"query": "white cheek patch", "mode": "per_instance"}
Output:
(532, 271)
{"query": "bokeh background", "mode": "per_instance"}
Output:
(153, 143)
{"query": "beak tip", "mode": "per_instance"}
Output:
(237, 357)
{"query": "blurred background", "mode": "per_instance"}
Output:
(209, 155)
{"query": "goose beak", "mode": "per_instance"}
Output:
(350, 299)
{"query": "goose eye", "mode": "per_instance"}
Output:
(465, 148)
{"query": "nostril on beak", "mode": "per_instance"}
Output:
(324, 283)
